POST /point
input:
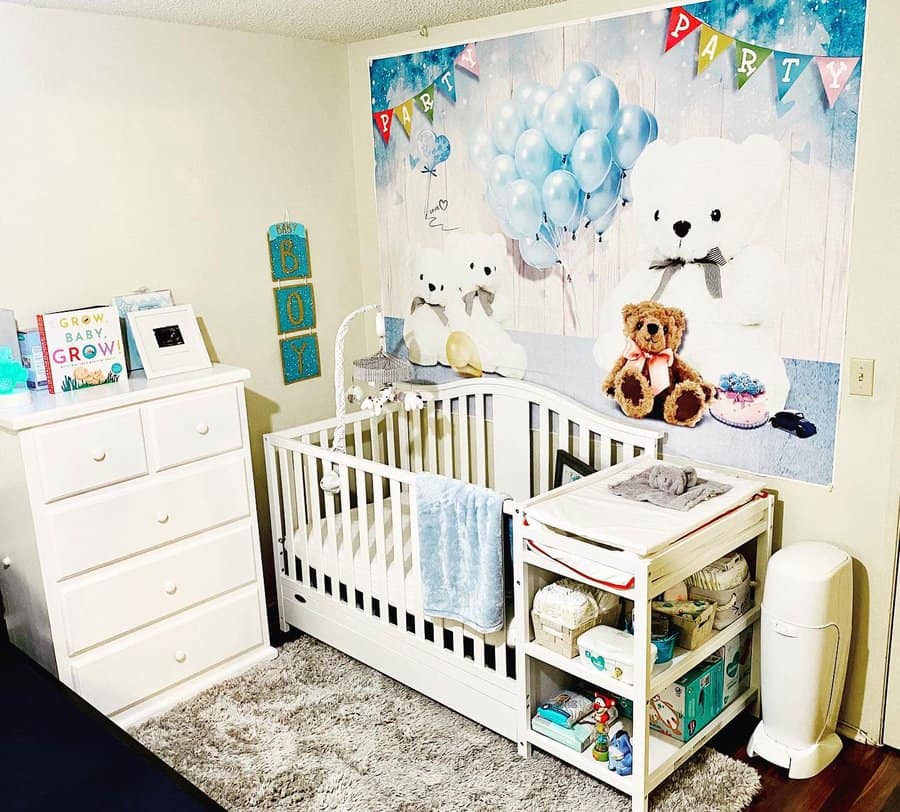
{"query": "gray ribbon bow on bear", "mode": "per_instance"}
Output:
(485, 296)
(438, 309)
(711, 264)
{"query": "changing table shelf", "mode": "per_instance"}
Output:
(744, 524)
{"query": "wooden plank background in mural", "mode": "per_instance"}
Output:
(417, 209)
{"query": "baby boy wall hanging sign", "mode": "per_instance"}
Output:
(698, 155)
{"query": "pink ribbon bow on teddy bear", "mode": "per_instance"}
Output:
(658, 364)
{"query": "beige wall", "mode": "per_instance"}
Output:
(140, 153)
(860, 511)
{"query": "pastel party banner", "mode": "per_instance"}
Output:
(835, 71)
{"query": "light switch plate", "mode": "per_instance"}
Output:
(862, 376)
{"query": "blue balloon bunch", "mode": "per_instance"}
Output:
(556, 160)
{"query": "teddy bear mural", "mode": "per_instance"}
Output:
(462, 298)
(649, 378)
(703, 212)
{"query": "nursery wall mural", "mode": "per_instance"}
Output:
(650, 213)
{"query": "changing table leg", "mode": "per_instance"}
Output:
(640, 738)
(522, 587)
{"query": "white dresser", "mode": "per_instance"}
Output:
(129, 550)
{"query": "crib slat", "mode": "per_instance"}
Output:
(399, 565)
(330, 541)
(389, 432)
(544, 442)
(290, 522)
(583, 443)
(362, 514)
(415, 607)
(463, 414)
(431, 439)
(375, 438)
(446, 428)
(316, 552)
(480, 477)
(346, 553)
(380, 564)
(413, 418)
(405, 457)
(605, 452)
(301, 537)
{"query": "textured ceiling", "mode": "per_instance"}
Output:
(334, 20)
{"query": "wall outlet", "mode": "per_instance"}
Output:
(862, 376)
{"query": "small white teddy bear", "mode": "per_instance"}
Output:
(436, 304)
(485, 273)
(703, 212)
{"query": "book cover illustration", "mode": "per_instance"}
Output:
(81, 347)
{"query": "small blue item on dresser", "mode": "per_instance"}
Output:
(12, 373)
(33, 358)
(460, 551)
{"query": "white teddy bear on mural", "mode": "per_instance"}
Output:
(436, 302)
(487, 273)
(704, 213)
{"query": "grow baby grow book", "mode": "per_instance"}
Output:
(81, 347)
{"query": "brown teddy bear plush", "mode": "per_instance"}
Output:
(650, 378)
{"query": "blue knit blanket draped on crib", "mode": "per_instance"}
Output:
(460, 551)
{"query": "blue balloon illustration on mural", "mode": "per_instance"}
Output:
(441, 150)
(558, 159)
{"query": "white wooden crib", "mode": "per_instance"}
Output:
(347, 564)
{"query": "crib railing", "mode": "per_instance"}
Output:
(503, 436)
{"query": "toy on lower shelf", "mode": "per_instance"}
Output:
(621, 753)
(605, 713)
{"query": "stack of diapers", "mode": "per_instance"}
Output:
(725, 582)
(563, 610)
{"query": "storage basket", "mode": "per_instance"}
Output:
(565, 609)
(726, 583)
(693, 619)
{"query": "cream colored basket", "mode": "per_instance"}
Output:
(562, 611)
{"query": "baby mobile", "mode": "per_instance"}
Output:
(556, 160)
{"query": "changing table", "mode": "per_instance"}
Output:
(636, 550)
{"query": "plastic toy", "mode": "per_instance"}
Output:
(793, 422)
(12, 373)
(605, 713)
(621, 753)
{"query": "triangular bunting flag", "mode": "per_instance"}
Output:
(788, 68)
(835, 72)
(748, 60)
(712, 45)
(403, 113)
(383, 120)
(446, 83)
(426, 101)
(468, 60)
(680, 25)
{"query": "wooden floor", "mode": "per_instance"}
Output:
(861, 778)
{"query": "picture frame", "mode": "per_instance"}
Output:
(169, 340)
(143, 300)
(569, 469)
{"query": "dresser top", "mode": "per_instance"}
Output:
(45, 408)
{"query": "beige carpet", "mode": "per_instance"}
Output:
(316, 730)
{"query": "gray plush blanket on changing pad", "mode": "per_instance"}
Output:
(654, 485)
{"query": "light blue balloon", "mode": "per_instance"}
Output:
(577, 76)
(591, 159)
(523, 207)
(522, 94)
(534, 109)
(560, 195)
(509, 124)
(561, 122)
(441, 150)
(538, 253)
(598, 104)
(603, 223)
(535, 158)
(502, 172)
(627, 196)
(629, 135)
(605, 195)
(654, 126)
(482, 151)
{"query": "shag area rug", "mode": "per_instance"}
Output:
(316, 730)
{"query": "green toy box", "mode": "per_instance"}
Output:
(736, 657)
(684, 708)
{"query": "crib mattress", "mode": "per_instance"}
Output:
(395, 581)
(587, 509)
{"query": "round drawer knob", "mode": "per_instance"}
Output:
(171, 587)
(98, 455)
(180, 656)
(162, 518)
(6, 563)
(202, 428)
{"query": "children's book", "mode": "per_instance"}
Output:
(81, 347)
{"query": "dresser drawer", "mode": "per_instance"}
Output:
(148, 661)
(100, 528)
(90, 452)
(128, 595)
(194, 427)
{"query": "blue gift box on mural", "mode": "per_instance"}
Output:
(296, 308)
(288, 251)
(300, 358)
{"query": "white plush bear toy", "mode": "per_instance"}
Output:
(706, 212)
(435, 304)
(486, 273)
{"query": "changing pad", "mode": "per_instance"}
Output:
(586, 508)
